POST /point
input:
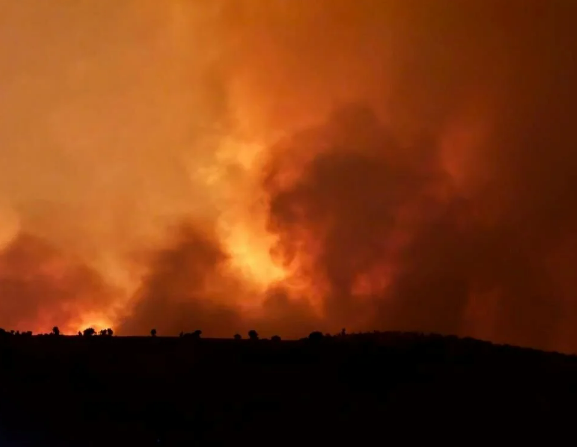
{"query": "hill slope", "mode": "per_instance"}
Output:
(109, 391)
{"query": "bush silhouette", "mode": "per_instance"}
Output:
(89, 332)
(316, 336)
(109, 332)
(275, 338)
(252, 334)
(56, 331)
(237, 337)
(196, 334)
(153, 333)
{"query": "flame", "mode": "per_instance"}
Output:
(91, 319)
(241, 224)
(250, 254)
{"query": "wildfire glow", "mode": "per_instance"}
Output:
(251, 255)
(288, 166)
(94, 320)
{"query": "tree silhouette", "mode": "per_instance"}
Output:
(153, 333)
(196, 334)
(109, 332)
(89, 332)
(56, 331)
(237, 337)
(316, 336)
(275, 338)
(252, 334)
(79, 333)
(103, 332)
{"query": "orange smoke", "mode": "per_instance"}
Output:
(41, 286)
(289, 166)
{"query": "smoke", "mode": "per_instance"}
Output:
(190, 285)
(186, 287)
(398, 245)
(40, 285)
(290, 166)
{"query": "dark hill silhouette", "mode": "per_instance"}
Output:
(327, 390)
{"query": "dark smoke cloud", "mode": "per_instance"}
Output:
(285, 315)
(477, 259)
(369, 206)
(353, 196)
(186, 288)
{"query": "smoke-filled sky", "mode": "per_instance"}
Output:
(290, 166)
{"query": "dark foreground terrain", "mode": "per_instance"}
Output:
(368, 389)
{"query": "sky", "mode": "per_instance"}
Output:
(290, 166)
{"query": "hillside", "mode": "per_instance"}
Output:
(140, 391)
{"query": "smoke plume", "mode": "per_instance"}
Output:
(290, 166)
